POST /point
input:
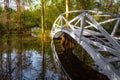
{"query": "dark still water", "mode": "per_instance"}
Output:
(21, 59)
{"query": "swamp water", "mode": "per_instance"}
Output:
(21, 58)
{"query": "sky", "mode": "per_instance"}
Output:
(35, 3)
(13, 4)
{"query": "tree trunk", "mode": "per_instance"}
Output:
(66, 40)
(109, 5)
(43, 17)
(7, 16)
(18, 2)
(43, 39)
(67, 9)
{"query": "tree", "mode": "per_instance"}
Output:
(67, 10)
(67, 41)
(7, 15)
(43, 16)
(109, 5)
(43, 37)
(18, 2)
(84, 4)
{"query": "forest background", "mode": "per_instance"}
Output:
(22, 15)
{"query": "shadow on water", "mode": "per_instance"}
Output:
(75, 63)
(21, 59)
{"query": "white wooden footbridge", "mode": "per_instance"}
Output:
(87, 28)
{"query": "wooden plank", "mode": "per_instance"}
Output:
(103, 47)
(112, 59)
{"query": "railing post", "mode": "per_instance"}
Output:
(115, 28)
(82, 25)
(61, 21)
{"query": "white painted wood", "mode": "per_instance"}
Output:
(82, 26)
(80, 33)
(103, 22)
(109, 70)
(115, 28)
(57, 59)
(103, 47)
(112, 59)
(105, 33)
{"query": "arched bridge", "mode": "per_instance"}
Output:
(88, 28)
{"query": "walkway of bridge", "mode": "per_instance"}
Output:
(87, 27)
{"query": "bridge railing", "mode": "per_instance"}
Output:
(93, 24)
(77, 21)
(84, 21)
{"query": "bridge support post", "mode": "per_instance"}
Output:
(115, 28)
(82, 25)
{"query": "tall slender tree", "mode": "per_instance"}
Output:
(43, 37)
(43, 16)
(7, 15)
(110, 5)
(18, 2)
(67, 9)
(66, 40)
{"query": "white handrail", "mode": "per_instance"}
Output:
(79, 30)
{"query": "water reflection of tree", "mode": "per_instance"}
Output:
(26, 59)
(11, 68)
(19, 75)
(1, 61)
(0, 58)
(9, 50)
(5, 65)
(83, 55)
(16, 58)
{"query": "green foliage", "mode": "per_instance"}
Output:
(52, 12)
(1, 10)
(37, 32)
(84, 4)
(32, 17)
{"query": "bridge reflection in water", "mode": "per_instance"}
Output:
(75, 65)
